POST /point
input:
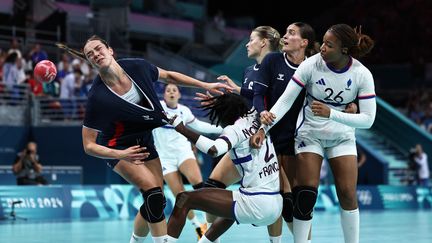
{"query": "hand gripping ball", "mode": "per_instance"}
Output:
(45, 71)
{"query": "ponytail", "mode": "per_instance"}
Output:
(358, 44)
(73, 52)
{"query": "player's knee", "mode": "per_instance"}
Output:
(347, 197)
(288, 207)
(153, 207)
(211, 183)
(198, 186)
(304, 201)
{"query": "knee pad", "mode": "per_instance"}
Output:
(288, 207)
(210, 183)
(198, 186)
(304, 201)
(152, 209)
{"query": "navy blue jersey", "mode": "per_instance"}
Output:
(250, 74)
(274, 74)
(121, 123)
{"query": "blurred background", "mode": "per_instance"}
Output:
(203, 39)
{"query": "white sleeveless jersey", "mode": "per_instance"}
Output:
(166, 139)
(259, 168)
(334, 88)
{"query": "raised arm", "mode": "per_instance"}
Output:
(184, 80)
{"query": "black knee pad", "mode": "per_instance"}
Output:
(210, 183)
(288, 207)
(152, 209)
(304, 201)
(198, 186)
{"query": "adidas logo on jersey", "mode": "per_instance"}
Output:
(320, 82)
(301, 145)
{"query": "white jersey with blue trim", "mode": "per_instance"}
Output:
(259, 168)
(336, 88)
(166, 138)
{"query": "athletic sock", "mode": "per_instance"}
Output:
(164, 239)
(205, 240)
(276, 239)
(350, 220)
(137, 239)
(301, 230)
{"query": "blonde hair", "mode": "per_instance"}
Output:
(271, 34)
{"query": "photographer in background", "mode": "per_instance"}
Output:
(419, 162)
(27, 167)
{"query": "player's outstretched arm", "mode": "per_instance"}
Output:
(184, 80)
(204, 127)
(212, 147)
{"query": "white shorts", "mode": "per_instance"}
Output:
(257, 209)
(305, 142)
(171, 162)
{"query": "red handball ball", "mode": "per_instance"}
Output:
(45, 71)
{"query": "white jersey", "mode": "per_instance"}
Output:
(167, 140)
(334, 88)
(259, 168)
(423, 170)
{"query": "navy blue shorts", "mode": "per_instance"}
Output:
(145, 141)
(284, 147)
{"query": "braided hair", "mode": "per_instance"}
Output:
(225, 109)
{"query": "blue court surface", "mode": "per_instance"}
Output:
(376, 226)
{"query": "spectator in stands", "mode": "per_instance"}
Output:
(82, 65)
(71, 84)
(3, 56)
(64, 64)
(19, 64)
(35, 86)
(87, 83)
(219, 21)
(27, 167)
(421, 160)
(10, 71)
(37, 54)
(70, 90)
(14, 48)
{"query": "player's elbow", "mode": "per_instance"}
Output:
(213, 151)
(87, 148)
(368, 123)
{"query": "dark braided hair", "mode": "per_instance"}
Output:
(225, 109)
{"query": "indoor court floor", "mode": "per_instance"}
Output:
(376, 226)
